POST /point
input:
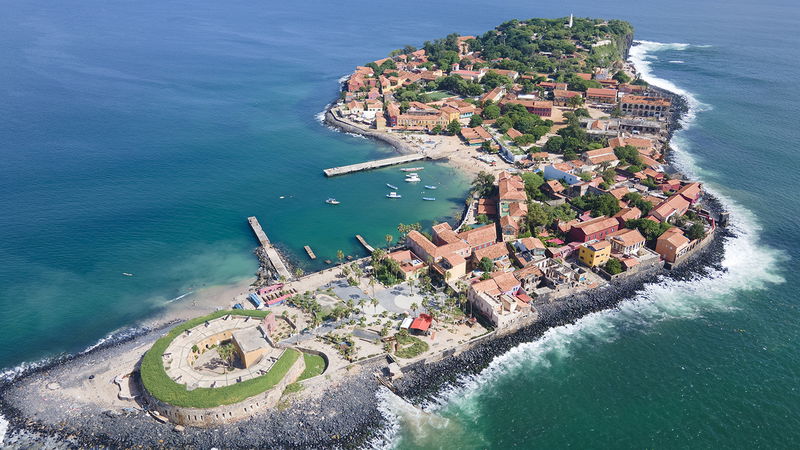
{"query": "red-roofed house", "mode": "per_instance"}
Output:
(597, 228)
(675, 205)
(601, 95)
(422, 324)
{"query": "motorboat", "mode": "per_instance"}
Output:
(430, 187)
(412, 169)
(392, 186)
(430, 199)
(332, 201)
(412, 178)
(393, 195)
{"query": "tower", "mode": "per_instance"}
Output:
(569, 25)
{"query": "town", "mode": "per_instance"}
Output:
(571, 191)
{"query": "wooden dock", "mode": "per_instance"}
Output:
(378, 163)
(310, 252)
(272, 254)
(364, 243)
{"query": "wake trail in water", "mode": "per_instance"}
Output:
(746, 265)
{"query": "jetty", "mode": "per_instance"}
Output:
(364, 243)
(310, 252)
(369, 165)
(272, 254)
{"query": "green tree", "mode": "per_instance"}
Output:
(340, 255)
(482, 219)
(298, 272)
(475, 121)
(437, 129)
(575, 101)
(483, 183)
(486, 264)
(389, 238)
(650, 230)
(622, 77)
(696, 231)
(454, 127)
(533, 181)
(613, 266)
(491, 112)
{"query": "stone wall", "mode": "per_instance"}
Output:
(203, 417)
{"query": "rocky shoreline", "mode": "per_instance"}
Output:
(344, 415)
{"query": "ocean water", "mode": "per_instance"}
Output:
(137, 137)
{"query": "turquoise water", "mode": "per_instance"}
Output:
(142, 147)
(138, 136)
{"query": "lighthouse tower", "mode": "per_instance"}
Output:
(569, 25)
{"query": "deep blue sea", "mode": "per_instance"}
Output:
(138, 136)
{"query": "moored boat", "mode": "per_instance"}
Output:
(430, 187)
(412, 169)
(393, 195)
(430, 199)
(332, 201)
(392, 186)
(413, 177)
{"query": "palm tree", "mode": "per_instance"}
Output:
(298, 272)
(414, 307)
(374, 302)
(389, 238)
(339, 255)
(372, 284)
(483, 183)
(411, 285)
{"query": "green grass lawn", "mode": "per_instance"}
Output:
(162, 387)
(438, 95)
(315, 365)
(416, 347)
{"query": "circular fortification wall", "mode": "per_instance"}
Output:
(189, 396)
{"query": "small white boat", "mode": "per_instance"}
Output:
(430, 199)
(413, 179)
(412, 169)
(430, 187)
(392, 186)
(127, 274)
(332, 201)
(393, 195)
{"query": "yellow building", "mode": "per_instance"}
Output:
(595, 253)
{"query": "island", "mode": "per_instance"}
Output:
(574, 207)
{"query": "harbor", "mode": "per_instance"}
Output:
(375, 164)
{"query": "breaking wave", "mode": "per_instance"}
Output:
(746, 265)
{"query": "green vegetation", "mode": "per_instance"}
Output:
(491, 112)
(541, 215)
(696, 231)
(613, 266)
(292, 388)
(486, 264)
(600, 205)
(475, 121)
(454, 127)
(635, 199)
(483, 184)
(162, 387)
(649, 229)
(386, 270)
(315, 365)
(517, 116)
(409, 346)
